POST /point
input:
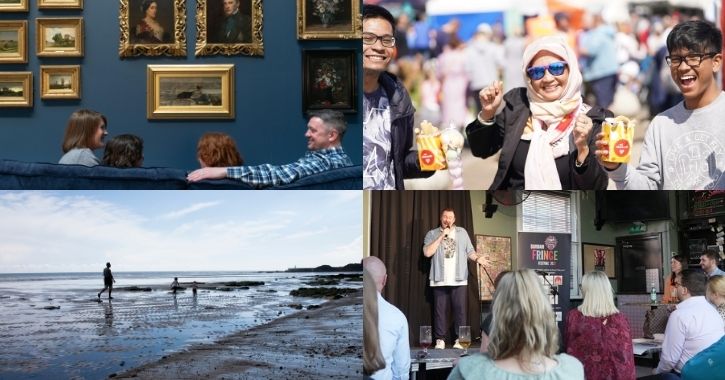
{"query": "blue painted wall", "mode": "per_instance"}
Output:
(269, 126)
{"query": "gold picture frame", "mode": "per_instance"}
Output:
(140, 38)
(60, 82)
(328, 19)
(14, 41)
(14, 6)
(212, 39)
(59, 37)
(60, 4)
(190, 91)
(16, 89)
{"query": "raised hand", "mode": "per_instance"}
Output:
(491, 98)
(581, 132)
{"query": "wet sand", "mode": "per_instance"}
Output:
(322, 343)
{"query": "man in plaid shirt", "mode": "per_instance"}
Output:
(325, 130)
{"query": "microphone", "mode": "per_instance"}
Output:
(541, 272)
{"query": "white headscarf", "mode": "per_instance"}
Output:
(540, 169)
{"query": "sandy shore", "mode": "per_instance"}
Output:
(321, 343)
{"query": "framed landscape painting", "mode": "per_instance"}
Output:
(14, 41)
(152, 28)
(16, 89)
(190, 91)
(60, 82)
(60, 4)
(229, 27)
(59, 37)
(328, 80)
(328, 19)
(14, 5)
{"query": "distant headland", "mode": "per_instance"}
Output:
(355, 267)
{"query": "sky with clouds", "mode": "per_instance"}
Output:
(79, 231)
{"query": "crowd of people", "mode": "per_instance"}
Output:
(216, 152)
(521, 339)
(541, 101)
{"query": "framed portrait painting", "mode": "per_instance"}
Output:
(229, 27)
(328, 19)
(14, 41)
(152, 28)
(190, 91)
(328, 80)
(16, 89)
(59, 37)
(60, 4)
(599, 257)
(60, 82)
(14, 5)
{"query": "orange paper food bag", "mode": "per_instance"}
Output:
(430, 150)
(619, 132)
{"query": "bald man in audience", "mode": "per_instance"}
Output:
(392, 328)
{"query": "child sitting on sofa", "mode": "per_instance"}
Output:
(217, 149)
(84, 134)
(124, 151)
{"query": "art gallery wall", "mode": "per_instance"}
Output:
(269, 126)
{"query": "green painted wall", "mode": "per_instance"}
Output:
(503, 222)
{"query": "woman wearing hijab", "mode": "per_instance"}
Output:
(545, 132)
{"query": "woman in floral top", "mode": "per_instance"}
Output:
(598, 334)
(716, 293)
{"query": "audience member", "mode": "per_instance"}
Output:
(598, 334)
(124, 151)
(670, 294)
(216, 149)
(524, 336)
(392, 328)
(84, 134)
(373, 359)
(715, 293)
(709, 261)
(708, 364)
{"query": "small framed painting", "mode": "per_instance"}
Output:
(59, 37)
(599, 257)
(16, 89)
(328, 80)
(152, 28)
(60, 82)
(190, 91)
(229, 27)
(13, 5)
(14, 41)
(59, 4)
(328, 19)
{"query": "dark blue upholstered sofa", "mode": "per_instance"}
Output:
(17, 175)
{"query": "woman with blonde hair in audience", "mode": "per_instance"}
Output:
(715, 293)
(373, 359)
(524, 337)
(598, 334)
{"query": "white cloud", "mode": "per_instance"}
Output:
(188, 210)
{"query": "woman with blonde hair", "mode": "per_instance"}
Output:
(373, 359)
(598, 334)
(524, 337)
(715, 293)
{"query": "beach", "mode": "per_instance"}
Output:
(322, 343)
(54, 325)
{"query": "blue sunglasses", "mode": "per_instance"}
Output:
(538, 72)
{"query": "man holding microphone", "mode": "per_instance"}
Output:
(450, 247)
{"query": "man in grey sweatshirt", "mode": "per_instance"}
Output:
(684, 146)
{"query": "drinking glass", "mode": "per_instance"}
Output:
(426, 337)
(464, 338)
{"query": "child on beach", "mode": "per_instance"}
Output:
(193, 288)
(684, 146)
(175, 285)
(107, 281)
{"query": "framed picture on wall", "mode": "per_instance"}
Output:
(60, 4)
(190, 91)
(328, 19)
(152, 28)
(13, 5)
(599, 257)
(497, 249)
(59, 37)
(328, 80)
(229, 27)
(16, 89)
(60, 82)
(14, 41)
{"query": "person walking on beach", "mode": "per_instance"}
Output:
(107, 281)
(175, 285)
